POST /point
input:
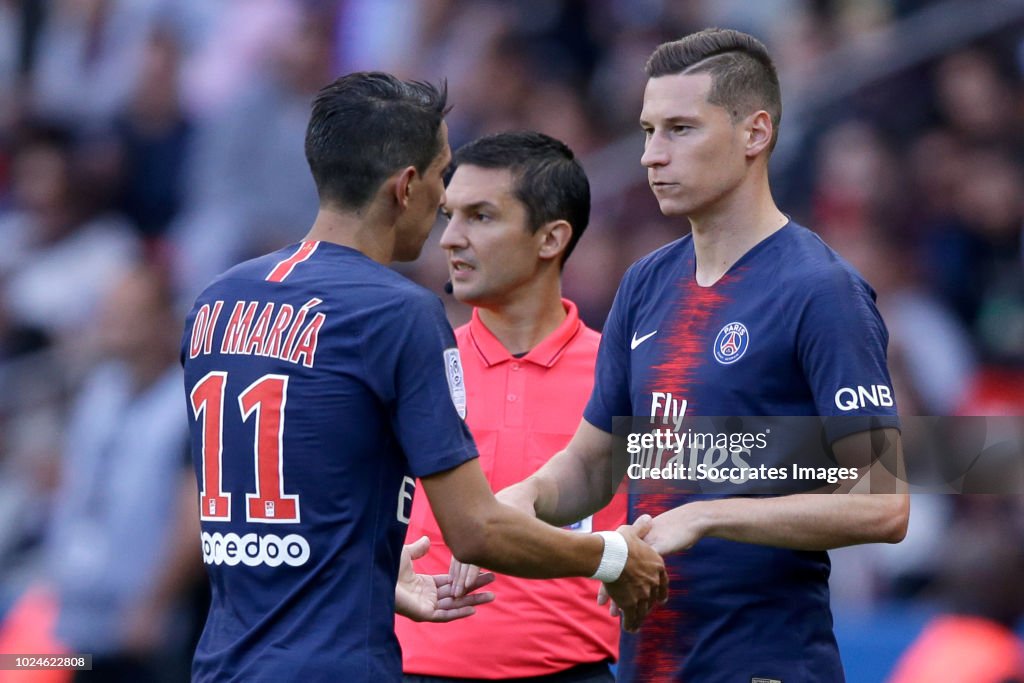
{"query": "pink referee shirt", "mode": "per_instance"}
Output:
(521, 412)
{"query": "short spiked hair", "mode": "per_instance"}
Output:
(743, 76)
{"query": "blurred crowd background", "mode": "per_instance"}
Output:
(147, 145)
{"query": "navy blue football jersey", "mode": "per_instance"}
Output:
(319, 384)
(790, 330)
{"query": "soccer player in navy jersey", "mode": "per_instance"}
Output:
(749, 315)
(319, 384)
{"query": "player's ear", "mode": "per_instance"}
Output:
(403, 185)
(759, 132)
(554, 238)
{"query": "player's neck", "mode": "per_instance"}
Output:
(725, 232)
(359, 231)
(525, 319)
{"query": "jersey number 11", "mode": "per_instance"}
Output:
(266, 398)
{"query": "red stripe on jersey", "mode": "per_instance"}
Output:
(284, 268)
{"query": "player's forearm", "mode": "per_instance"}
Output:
(575, 483)
(567, 490)
(800, 522)
(482, 531)
(507, 541)
(184, 564)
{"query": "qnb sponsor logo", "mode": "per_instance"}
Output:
(253, 549)
(852, 398)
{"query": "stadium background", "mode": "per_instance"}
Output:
(169, 132)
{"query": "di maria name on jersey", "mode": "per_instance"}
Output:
(790, 330)
(318, 383)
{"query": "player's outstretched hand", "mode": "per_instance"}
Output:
(675, 530)
(462, 577)
(644, 581)
(422, 597)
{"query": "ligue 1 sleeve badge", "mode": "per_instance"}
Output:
(731, 343)
(453, 369)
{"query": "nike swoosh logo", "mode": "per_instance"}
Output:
(637, 342)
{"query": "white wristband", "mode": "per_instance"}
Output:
(613, 559)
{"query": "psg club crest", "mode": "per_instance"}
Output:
(731, 343)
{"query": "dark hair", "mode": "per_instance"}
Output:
(548, 179)
(743, 76)
(367, 125)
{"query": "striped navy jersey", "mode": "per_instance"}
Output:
(319, 383)
(790, 330)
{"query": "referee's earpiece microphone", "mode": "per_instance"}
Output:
(448, 289)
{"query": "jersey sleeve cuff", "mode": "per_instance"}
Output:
(445, 462)
(839, 426)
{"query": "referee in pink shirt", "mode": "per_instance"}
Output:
(516, 207)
